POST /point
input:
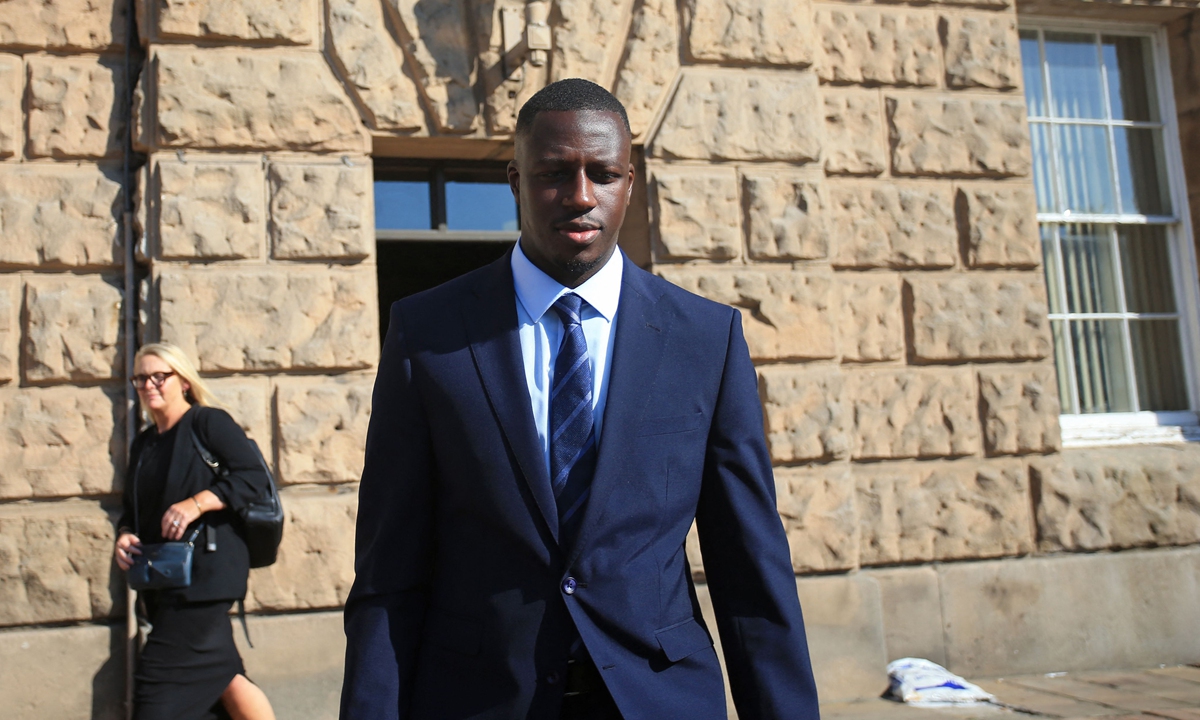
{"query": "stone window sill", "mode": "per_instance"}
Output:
(1140, 428)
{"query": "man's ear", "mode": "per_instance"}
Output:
(514, 180)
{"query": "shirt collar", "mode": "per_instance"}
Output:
(537, 291)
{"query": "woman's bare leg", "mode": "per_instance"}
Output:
(245, 701)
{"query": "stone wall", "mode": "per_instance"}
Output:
(853, 177)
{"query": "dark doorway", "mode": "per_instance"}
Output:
(408, 267)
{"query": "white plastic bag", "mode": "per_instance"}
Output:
(924, 683)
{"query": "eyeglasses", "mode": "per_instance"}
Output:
(158, 379)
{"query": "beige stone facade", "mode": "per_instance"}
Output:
(854, 177)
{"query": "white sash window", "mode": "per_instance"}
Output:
(1120, 267)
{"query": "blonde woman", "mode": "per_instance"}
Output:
(189, 668)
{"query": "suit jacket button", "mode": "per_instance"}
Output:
(552, 678)
(569, 586)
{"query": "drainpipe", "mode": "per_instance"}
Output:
(129, 319)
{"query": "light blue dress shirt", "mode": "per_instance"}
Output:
(541, 331)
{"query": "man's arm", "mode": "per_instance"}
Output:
(385, 613)
(746, 557)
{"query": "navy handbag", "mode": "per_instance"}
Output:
(163, 566)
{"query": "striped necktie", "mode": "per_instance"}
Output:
(572, 435)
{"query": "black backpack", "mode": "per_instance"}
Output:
(262, 519)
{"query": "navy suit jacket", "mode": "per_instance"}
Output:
(458, 608)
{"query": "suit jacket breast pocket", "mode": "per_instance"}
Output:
(673, 424)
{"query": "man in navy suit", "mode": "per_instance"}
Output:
(544, 431)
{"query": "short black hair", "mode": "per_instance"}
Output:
(569, 95)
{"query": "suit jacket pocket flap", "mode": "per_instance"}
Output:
(682, 639)
(673, 424)
(459, 633)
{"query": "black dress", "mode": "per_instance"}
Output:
(190, 657)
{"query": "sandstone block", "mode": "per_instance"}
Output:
(321, 211)
(1102, 498)
(650, 62)
(52, 215)
(773, 33)
(63, 673)
(75, 24)
(1020, 410)
(298, 660)
(982, 51)
(853, 134)
(890, 225)
(55, 561)
(913, 413)
(60, 442)
(958, 137)
(229, 98)
(322, 428)
(912, 612)
(871, 322)
(806, 413)
(1183, 46)
(843, 619)
(315, 567)
(372, 65)
(957, 317)
(886, 47)
(695, 215)
(786, 217)
(73, 108)
(238, 320)
(276, 21)
(584, 38)
(817, 508)
(12, 85)
(1002, 226)
(742, 116)
(211, 211)
(1072, 612)
(920, 512)
(436, 40)
(785, 314)
(248, 400)
(10, 331)
(72, 328)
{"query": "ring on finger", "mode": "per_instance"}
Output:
(175, 522)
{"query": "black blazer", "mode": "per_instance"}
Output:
(465, 604)
(218, 575)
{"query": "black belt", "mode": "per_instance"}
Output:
(582, 678)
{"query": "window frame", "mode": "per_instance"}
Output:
(1081, 430)
(435, 175)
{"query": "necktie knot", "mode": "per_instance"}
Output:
(569, 306)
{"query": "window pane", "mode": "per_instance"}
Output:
(1087, 173)
(1146, 265)
(1130, 78)
(1159, 362)
(1062, 367)
(1031, 66)
(1087, 256)
(402, 205)
(1075, 75)
(480, 206)
(1140, 168)
(1053, 271)
(1043, 169)
(1101, 374)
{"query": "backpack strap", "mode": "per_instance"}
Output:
(242, 617)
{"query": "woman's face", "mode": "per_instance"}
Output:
(169, 395)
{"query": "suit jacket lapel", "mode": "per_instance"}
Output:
(491, 320)
(637, 355)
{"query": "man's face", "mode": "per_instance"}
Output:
(572, 179)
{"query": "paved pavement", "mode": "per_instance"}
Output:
(1166, 693)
